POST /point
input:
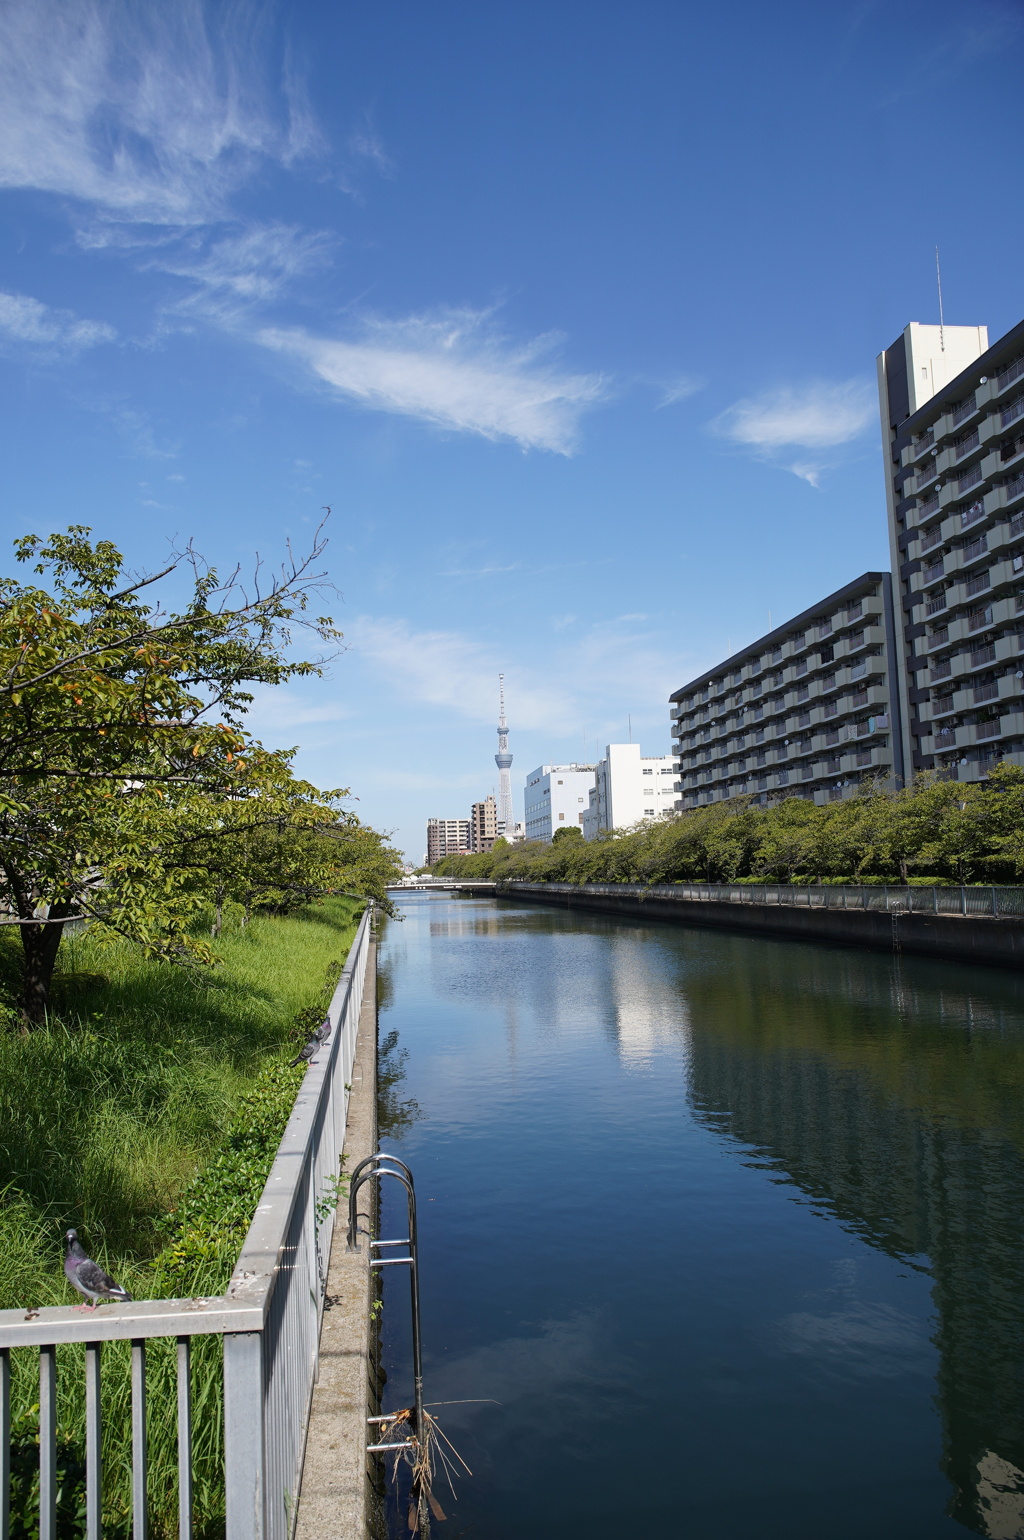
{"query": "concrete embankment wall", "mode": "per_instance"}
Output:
(986, 939)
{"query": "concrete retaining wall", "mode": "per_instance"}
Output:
(336, 1500)
(966, 938)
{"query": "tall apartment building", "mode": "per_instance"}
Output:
(629, 788)
(447, 837)
(557, 796)
(811, 709)
(953, 429)
(483, 822)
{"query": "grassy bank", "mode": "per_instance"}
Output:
(148, 1108)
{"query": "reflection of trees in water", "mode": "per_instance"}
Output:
(394, 1114)
(898, 1105)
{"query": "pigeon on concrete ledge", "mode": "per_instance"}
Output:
(323, 1031)
(88, 1277)
(305, 1053)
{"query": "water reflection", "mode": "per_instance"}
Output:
(887, 1098)
(893, 1098)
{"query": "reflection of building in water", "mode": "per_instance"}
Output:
(913, 1134)
(649, 1011)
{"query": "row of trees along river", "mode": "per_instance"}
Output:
(131, 795)
(933, 831)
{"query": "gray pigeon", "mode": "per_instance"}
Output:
(305, 1053)
(88, 1277)
(323, 1031)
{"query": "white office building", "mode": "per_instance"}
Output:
(630, 787)
(557, 796)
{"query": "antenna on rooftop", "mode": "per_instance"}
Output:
(938, 285)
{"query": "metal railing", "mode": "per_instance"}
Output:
(269, 1319)
(891, 900)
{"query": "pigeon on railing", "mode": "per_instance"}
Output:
(305, 1053)
(88, 1277)
(323, 1031)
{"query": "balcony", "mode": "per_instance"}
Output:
(973, 550)
(972, 514)
(1012, 412)
(964, 410)
(979, 618)
(1012, 372)
(989, 729)
(927, 508)
(982, 655)
(964, 445)
(931, 538)
(970, 478)
(979, 581)
(921, 444)
(941, 669)
(987, 691)
(1013, 486)
(926, 472)
(932, 573)
(936, 603)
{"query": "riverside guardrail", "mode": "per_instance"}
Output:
(269, 1318)
(892, 900)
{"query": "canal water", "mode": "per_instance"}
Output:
(721, 1237)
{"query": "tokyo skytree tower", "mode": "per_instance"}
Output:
(503, 760)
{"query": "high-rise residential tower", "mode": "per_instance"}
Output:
(483, 820)
(503, 760)
(447, 837)
(953, 435)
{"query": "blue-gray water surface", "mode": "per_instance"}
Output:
(721, 1237)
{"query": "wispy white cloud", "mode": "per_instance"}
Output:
(453, 369)
(610, 668)
(145, 112)
(450, 670)
(679, 388)
(478, 572)
(821, 416)
(816, 416)
(249, 264)
(27, 320)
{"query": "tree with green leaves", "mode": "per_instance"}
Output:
(126, 773)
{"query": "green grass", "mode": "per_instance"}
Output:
(145, 1076)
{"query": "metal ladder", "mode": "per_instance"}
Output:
(375, 1167)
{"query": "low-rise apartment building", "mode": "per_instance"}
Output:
(447, 837)
(954, 450)
(809, 710)
(556, 797)
(629, 788)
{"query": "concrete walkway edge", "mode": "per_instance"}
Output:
(335, 1497)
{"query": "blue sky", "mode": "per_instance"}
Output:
(568, 310)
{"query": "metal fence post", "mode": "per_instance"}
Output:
(47, 1442)
(243, 1435)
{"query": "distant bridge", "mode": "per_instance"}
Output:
(441, 885)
